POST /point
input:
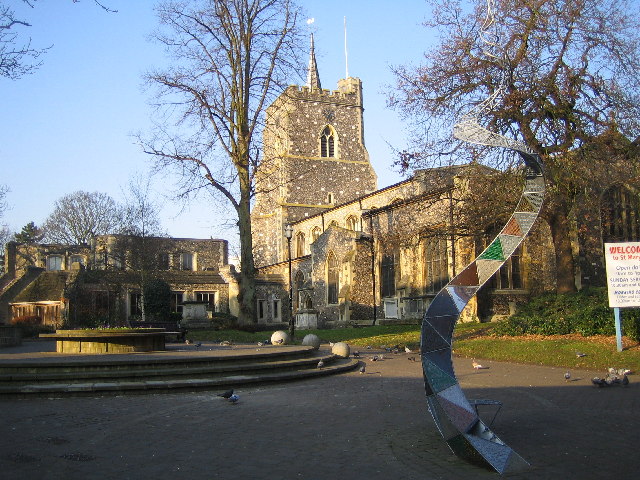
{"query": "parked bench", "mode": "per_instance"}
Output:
(172, 328)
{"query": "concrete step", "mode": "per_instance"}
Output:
(141, 385)
(195, 368)
(52, 374)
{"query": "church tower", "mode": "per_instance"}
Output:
(314, 158)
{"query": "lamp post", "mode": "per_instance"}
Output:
(288, 233)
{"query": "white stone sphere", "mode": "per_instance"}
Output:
(280, 338)
(341, 349)
(312, 341)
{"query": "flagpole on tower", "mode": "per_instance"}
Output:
(346, 53)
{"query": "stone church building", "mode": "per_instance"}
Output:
(360, 253)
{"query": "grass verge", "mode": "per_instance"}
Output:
(474, 340)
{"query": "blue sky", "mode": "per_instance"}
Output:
(68, 127)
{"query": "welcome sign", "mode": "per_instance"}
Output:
(623, 273)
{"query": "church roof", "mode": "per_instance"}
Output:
(313, 79)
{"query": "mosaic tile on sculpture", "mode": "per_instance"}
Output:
(467, 277)
(534, 184)
(461, 295)
(525, 220)
(496, 454)
(438, 380)
(447, 429)
(486, 268)
(455, 395)
(442, 359)
(441, 305)
(509, 244)
(431, 340)
(461, 419)
(515, 464)
(493, 251)
(465, 450)
(512, 228)
(535, 199)
(444, 324)
(524, 205)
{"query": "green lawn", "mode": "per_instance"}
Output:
(472, 340)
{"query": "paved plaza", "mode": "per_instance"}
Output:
(370, 426)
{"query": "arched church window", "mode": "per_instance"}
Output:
(352, 223)
(327, 142)
(333, 279)
(315, 233)
(620, 215)
(300, 244)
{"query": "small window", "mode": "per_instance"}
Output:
(300, 244)
(327, 143)
(77, 259)
(135, 304)
(54, 262)
(388, 275)
(186, 261)
(262, 309)
(277, 310)
(315, 233)
(209, 298)
(176, 302)
(163, 261)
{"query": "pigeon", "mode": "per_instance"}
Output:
(331, 344)
(374, 358)
(407, 350)
(368, 347)
(260, 344)
(198, 345)
(356, 354)
(225, 343)
(279, 341)
(580, 354)
(363, 368)
(411, 359)
(381, 357)
(320, 364)
(567, 376)
(625, 381)
(187, 341)
(228, 394)
(477, 366)
(233, 398)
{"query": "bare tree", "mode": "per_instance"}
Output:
(572, 76)
(231, 59)
(18, 57)
(5, 233)
(80, 216)
(142, 241)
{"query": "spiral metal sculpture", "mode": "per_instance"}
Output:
(455, 416)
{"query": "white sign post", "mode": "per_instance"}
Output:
(623, 279)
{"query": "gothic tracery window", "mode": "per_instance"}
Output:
(327, 142)
(436, 268)
(388, 274)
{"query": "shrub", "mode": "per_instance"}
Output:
(224, 321)
(585, 312)
(31, 326)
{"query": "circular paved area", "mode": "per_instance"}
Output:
(353, 426)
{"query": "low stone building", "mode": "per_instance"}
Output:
(101, 283)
